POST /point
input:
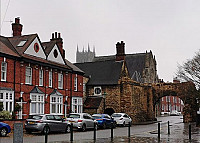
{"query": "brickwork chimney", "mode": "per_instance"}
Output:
(59, 42)
(17, 27)
(120, 51)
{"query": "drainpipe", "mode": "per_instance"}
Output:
(70, 94)
(14, 86)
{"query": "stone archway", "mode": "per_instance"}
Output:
(109, 111)
(186, 91)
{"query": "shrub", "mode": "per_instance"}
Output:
(5, 115)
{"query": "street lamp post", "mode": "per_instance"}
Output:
(104, 101)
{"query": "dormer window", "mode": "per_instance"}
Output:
(21, 43)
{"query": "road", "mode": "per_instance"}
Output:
(139, 133)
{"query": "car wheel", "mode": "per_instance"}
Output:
(84, 128)
(104, 125)
(46, 130)
(124, 124)
(28, 131)
(3, 132)
(68, 129)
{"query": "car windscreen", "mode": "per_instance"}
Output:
(96, 116)
(36, 117)
(74, 116)
(116, 115)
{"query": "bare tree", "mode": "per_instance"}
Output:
(190, 70)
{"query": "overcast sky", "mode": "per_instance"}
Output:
(169, 28)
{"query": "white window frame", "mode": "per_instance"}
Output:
(77, 104)
(60, 81)
(41, 75)
(50, 78)
(28, 78)
(58, 103)
(38, 102)
(7, 99)
(75, 83)
(3, 71)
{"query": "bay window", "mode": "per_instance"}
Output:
(7, 98)
(56, 104)
(37, 104)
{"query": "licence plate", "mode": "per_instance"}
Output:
(31, 122)
(71, 121)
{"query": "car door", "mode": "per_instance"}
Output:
(50, 121)
(108, 119)
(88, 120)
(59, 125)
(126, 118)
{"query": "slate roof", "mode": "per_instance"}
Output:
(56, 93)
(9, 46)
(102, 73)
(135, 63)
(17, 39)
(36, 90)
(92, 102)
(6, 47)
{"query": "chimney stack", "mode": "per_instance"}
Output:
(120, 51)
(17, 27)
(57, 37)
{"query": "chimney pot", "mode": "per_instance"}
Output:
(56, 35)
(59, 35)
(52, 35)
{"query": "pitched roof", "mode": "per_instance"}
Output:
(48, 46)
(36, 90)
(92, 102)
(6, 47)
(17, 39)
(135, 63)
(102, 73)
(75, 68)
(56, 93)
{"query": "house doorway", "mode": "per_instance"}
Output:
(109, 111)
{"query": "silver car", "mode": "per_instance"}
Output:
(82, 121)
(54, 122)
(122, 119)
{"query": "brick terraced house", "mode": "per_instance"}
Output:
(37, 76)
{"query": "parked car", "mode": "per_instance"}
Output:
(4, 129)
(122, 119)
(175, 113)
(82, 121)
(38, 122)
(104, 120)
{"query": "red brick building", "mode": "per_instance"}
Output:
(37, 76)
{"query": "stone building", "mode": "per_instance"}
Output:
(85, 56)
(37, 76)
(111, 86)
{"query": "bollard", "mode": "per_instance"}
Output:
(111, 131)
(95, 131)
(189, 131)
(46, 127)
(159, 131)
(168, 129)
(71, 132)
(129, 129)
